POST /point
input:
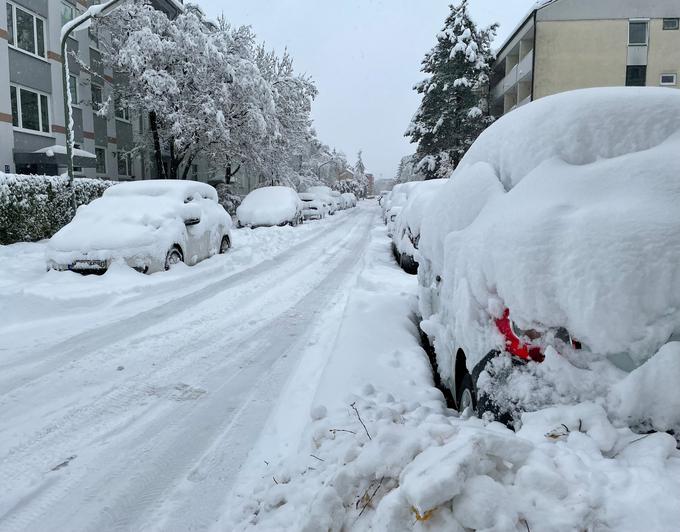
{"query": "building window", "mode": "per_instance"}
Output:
(124, 164)
(68, 13)
(30, 109)
(25, 30)
(637, 33)
(97, 98)
(73, 87)
(122, 112)
(101, 160)
(671, 23)
(669, 79)
(636, 76)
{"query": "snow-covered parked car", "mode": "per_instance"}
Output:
(557, 240)
(150, 225)
(313, 207)
(326, 194)
(407, 225)
(348, 200)
(269, 206)
(397, 197)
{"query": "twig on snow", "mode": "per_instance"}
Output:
(360, 420)
(370, 499)
(319, 459)
(341, 430)
(275, 481)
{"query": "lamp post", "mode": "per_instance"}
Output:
(66, 31)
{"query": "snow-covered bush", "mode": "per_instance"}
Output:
(36, 207)
(227, 198)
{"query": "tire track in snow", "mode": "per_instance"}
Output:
(169, 430)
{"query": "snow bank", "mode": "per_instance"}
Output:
(650, 396)
(269, 206)
(178, 190)
(587, 237)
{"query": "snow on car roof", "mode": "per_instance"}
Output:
(269, 206)
(177, 189)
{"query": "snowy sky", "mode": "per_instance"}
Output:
(365, 58)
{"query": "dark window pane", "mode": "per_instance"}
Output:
(45, 114)
(122, 166)
(671, 23)
(30, 117)
(73, 87)
(96, 97)
(636, 76)
(15, 106)
(10, 24)
(25, 31)
(40, 29)
(101, 160)
(637, 33)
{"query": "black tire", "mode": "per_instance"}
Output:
(174, 256)
(225, 245)
(486, 403)
(466, 396)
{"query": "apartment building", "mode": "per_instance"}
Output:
(32, 131)
(564, 45)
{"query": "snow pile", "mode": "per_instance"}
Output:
(587, 236)
(269, 206)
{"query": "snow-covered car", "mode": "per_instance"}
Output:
(313, 207)
(406, 234)
(348, 200)
(397, 197)
(326, 194)
(337, 200)
(391, 217)
(269, 206)
(557, 239)
(150, 225)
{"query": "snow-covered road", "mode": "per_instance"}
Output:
(130, 402)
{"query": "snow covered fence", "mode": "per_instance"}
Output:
(36, 207)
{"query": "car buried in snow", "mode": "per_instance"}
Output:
(313, 207)
(407, 225)
(326, 195)
(149, 225)
(270, 206)
(549, 262)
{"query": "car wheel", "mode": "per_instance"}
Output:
(173, 257)
(466, 396)
(225, 245)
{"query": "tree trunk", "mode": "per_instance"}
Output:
(229, 174)
(158, 155)
(173, 161)
(187, 167)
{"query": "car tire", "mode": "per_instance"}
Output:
(466, 397)
(225, 244)
(174, 256)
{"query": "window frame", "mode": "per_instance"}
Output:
(641, 22)
(20, 117)
(124, 115)
(96, 106)
(12, 37)
(74, 11)
(126, 158)
(73, 84)
(676, 20)
(674, 75)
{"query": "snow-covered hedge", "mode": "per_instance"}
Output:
(35, 207)
(227, 198)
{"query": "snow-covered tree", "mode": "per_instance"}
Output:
(407, 170)
(453, 111)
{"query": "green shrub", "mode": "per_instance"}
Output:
(35, 207)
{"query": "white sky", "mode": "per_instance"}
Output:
(364, 56)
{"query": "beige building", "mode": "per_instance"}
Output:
(573, 44)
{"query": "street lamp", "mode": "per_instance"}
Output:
(101, 10)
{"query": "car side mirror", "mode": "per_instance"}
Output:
(192, 221)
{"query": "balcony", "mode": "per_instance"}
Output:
(520, 72)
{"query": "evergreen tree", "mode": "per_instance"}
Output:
(453, 111)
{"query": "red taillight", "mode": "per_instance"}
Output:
(514, 345)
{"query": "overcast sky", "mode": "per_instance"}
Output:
(365, 58)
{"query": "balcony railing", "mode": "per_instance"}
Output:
(518, 73)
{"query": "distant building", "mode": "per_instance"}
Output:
(564, 45)
(371, 184)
